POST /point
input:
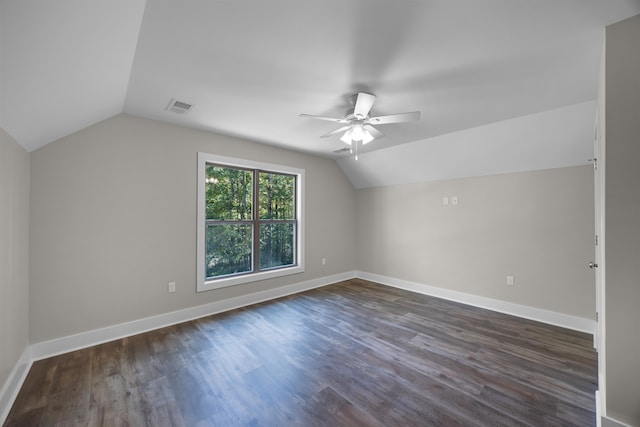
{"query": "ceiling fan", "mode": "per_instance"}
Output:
(358, 124)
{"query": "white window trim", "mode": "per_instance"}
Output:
(205, 285)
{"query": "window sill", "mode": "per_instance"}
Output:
(248, 278)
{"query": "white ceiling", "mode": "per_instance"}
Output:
(551, 139)
(251, 66)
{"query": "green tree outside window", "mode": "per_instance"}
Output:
(232, 223)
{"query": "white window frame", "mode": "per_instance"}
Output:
(202, 284)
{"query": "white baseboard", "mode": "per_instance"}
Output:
(66, 344)
(12, 385)
(45, 349)
(598, 408)
(531, 313)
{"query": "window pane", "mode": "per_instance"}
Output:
(228, 192)
(228, 249)
(277, 245)
(277, 196)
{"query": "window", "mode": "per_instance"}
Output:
(250, 221)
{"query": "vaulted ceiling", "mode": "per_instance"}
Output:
(250, 67)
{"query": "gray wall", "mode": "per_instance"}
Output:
(14, 254)
(535, 226)
(113, 220)
(622, 221)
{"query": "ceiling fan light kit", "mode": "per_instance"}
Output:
(359, 127)
(355, 133)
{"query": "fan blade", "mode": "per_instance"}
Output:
(363, 105)
(329, 119)
(375, 133)
(333, 132)
(395, 118)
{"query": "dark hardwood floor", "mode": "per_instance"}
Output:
(350, 354)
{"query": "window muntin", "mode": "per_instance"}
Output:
(237, 242)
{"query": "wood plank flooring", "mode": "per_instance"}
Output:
(350, 354)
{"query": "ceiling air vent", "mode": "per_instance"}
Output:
(179, 107)
(342, 150)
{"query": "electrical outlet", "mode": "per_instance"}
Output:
(324, 261)
(510, 281)
(454, 200)
(171, 287)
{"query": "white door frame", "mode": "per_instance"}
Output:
(599, 176)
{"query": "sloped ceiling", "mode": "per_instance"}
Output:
(251, 66)
(65, 65)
